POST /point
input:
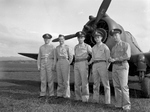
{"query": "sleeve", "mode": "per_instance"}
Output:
(54, 54)
(39, 58)
(107, 53)
(70, 55)
(92, 59)
(75, 50)
(127, 53)
(112, 52)
(89, 49)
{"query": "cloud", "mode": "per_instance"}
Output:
(23, 22)
(80, 13)
(4, 29)
(15, 40)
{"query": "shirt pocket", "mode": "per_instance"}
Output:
(63, 52)
(121, 51)
(101, 51)
(81, 51)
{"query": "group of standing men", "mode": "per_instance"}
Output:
(60, 58)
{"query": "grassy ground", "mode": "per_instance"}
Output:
(19, 89)
(21, 96)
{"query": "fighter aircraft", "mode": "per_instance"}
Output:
(139, 61)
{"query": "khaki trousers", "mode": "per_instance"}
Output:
(100, 73)
(81, 81)
(46, 75)
(120, 82)
(63, 77)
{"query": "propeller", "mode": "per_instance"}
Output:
(66, 37)
(101, 12)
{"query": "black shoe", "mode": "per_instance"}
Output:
(119, 108)
(58, 97)
(50, 97)
(41, 97)
(108, 105)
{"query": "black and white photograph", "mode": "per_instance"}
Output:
(74, 56)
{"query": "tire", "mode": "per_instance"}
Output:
(146, 87)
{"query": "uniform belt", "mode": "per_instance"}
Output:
(46, 58)
(98, 61)
(78, 60)
(119, 62)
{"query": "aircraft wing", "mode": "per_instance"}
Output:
(30, 55)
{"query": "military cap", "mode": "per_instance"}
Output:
(80, 34)
(47, 36)
(114, 31)
(98, 32)
(60, 35)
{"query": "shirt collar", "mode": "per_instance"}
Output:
(81, 45)
(62, 45)
(118, 43)
(99, 44)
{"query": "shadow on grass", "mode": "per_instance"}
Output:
(21, 82)
(19, 90)
(31, 88)
(81, 105)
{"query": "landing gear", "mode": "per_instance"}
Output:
(145, 84)
(143, 77)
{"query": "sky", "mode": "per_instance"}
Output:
(23, 22)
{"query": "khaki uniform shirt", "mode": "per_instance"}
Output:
(46, 52)
(64, 52)
(100, 52)
(121, 51)
(82, 51)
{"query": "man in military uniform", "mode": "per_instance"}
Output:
(64, 58)
(100, 56)
(45, 64)
(82, 51)
(120, 53)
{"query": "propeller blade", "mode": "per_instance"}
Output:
(103, 8)
(55, 40)
(66, 37)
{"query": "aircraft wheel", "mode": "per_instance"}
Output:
(146, 87)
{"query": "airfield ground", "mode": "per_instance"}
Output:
(19, 89)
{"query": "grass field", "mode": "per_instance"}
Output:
(19, 89)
